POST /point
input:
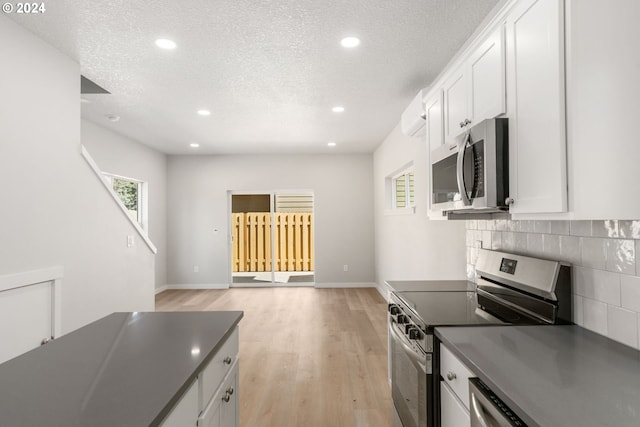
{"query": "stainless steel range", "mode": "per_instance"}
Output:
(511, 289)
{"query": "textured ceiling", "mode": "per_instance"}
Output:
(268, 70)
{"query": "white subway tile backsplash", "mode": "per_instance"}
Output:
(543, 227)
(593, 252)
(594, 315)
(501, 224)
(622, 325)
(605, 259)
(559, 227)
(486, 239)
(508, 241)
(570, 249)
(607, 228)
(496, 240)
(580, 228)
(551, 246)
(629, 229)
(621, 256)
(637, 257)
(597, 284)
(521, 243)
(524, 226)
(535, 244)
(630, 292)
(578, 313)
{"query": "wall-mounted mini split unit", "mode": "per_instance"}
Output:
(413, 121)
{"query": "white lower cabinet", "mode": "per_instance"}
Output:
(453, 413)
(454, 390)
(223, 409)
(212, 400)
(185, 413)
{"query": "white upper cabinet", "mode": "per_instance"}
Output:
(433, 111)
(535, 88)
(476, 90)
(487, 78)
(603, 107)
(456, 103)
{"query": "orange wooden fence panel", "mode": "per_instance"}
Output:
(293, 244)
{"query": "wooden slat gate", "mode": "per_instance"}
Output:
(293, 244)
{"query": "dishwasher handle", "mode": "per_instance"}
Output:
(488, 410)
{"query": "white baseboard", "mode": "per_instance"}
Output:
(268, 285)
(384, 290)
(345, 285)
(274, 285)
(193, 286)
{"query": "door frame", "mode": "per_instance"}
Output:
(272, 199)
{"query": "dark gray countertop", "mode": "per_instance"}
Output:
(430, 285)
(127, 369)
(553, 376)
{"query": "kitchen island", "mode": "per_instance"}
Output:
(553, 376)
(126, 369)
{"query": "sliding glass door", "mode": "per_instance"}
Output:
(272, 239)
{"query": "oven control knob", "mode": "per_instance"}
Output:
(394, 309)
(402, 319)
(415, 334)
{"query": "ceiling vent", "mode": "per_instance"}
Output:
(413, 121)
(87, 86)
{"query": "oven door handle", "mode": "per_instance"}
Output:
(460, 170)
(415, 357)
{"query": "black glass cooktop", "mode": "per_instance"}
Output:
(443, 308)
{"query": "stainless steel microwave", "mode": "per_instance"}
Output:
(471, 172)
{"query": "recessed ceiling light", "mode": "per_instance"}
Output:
(331, 144)
(350, 42)
(166, 44)
(338, 109)
(113, 118)
(204, 112)
(194, 145)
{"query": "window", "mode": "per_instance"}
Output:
(400, 190)
(132, 194)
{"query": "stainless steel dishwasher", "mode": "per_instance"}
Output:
(487, 409)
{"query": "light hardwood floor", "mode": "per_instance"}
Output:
(308, 357)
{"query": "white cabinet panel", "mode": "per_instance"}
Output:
(487, 71)
(535, 87)
(185, 413)
(27, 319)
(456, 374)
(435, 131)
(603, 92)
(456, 102)
(217, 368)
(452, 414)
(223, 409)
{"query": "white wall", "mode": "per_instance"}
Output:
(197, 204)
(54, 210)
(412, 247)
(120, 155)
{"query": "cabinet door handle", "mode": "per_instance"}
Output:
(451, 375)
(226, 397)
(509, 201)
(227, 360)
(230, 391)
